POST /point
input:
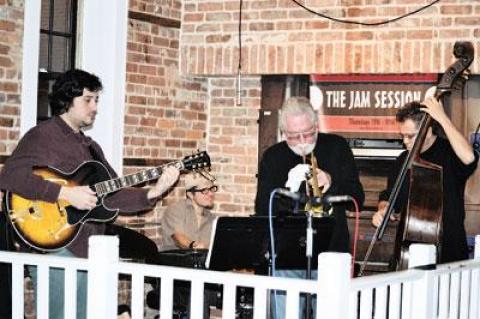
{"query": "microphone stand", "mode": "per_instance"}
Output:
(308, 244)
(308, 253)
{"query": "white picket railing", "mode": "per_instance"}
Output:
(442, 291)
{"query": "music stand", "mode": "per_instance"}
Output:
(244, 242)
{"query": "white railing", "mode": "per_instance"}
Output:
(433, 291)
(444, 291)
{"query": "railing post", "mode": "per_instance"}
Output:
(475, 282)
(102, 277)
(421, 254)
(333, 285)
(423, 293)
(476, 254)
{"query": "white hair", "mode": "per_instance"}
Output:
(297, 105)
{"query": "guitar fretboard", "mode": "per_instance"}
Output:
(116, 184)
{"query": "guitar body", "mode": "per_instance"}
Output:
(52, 226)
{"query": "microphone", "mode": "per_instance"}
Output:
(331, 199)
(327, 199)
(294, 196)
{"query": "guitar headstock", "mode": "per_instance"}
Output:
(196, 161)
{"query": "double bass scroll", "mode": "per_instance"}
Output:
(422, 219)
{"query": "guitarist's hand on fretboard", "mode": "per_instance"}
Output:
(51, 226)
(167, 179)
(80, 197)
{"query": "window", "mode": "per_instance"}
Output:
(57, 47)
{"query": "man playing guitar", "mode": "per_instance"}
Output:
(59, 143)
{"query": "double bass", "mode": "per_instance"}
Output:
(421, 220)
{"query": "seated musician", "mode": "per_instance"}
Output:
(458, 161)
(188, 222)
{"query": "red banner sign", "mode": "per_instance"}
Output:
(364, 106)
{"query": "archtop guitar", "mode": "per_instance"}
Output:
(52, 226)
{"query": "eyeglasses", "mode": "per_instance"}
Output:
(204, 191)
(299, 136)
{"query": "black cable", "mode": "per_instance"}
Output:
(239, 68)
(240, 37)
(365, 23)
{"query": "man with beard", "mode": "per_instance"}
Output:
(286, 164)
(458, 161)
(60, 143)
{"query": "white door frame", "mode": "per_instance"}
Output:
(102, 43)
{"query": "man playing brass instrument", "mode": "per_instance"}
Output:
(284, 162)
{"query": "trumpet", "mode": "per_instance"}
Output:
(316, 209)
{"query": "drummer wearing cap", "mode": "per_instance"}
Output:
(188, 222)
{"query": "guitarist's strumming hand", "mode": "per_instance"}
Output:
(80, 197)
(167, 179)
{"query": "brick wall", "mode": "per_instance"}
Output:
(166, 113)
(160, 8)
(232, 142)
(170, 115)
(280, 37)
(11, 35)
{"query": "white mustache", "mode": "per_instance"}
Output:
(302, 149)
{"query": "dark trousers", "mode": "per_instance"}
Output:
(181, 298)
(133, 245)
(6, 244)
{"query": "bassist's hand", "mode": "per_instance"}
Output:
(80, 197)
(435, 109)
(377, 218)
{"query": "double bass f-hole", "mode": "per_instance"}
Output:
(422, 219)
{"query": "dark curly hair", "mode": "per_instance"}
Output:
(411, 111)
(70, 85)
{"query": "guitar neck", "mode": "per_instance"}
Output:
(116, 184)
